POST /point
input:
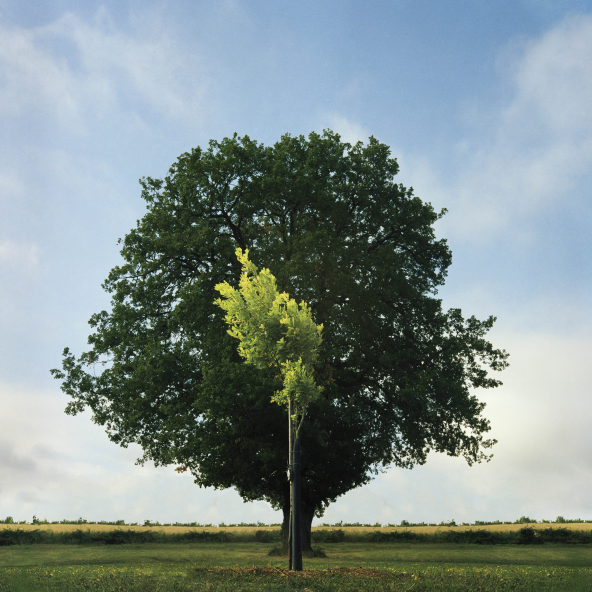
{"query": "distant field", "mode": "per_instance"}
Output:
(582, 526)
(111, 527)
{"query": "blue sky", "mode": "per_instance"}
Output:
(486, 105)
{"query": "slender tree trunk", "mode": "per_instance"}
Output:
(290, 453)
(305, 514)
(296, 509)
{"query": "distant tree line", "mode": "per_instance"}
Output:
(403, 523)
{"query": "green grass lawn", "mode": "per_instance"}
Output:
(387, 567)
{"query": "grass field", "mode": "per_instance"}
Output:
(247, 567)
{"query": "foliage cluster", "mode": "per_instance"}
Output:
(273, 332)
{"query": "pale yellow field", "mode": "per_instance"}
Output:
(238, 529)
(109, 527)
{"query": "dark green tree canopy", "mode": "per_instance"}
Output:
(337, 232)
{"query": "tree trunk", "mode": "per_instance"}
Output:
(296, 509)
(286, 522)
(291, 514)
(306, 517)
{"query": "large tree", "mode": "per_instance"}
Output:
(337, 232)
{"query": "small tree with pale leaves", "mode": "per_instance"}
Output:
(274, 332)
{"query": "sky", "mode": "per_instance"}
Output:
(487, 107)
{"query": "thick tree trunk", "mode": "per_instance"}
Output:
(306, 517)
(286, 522)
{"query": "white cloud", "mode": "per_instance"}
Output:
(29, 76)
(57, 466)
(537, 149)
(541, 418)
(72, 70)
(350, 131)
(554, 83)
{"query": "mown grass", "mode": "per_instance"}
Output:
(246, 567)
